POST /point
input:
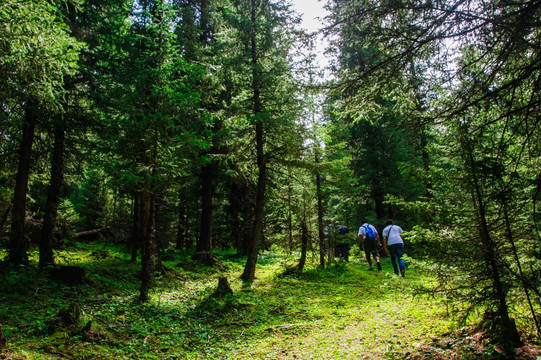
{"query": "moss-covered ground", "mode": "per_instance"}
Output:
(342, 312)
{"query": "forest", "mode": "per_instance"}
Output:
(175, 172)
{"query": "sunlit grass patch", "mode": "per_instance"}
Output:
(341, 312)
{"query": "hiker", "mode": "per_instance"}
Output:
(369, 240)
(328, 236)
(342, 244)
(393, 243)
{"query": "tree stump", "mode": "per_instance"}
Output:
(223, 288)
(67, 319)
(70, 316)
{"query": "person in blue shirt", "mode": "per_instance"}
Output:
(369, 241)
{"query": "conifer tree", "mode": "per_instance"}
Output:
(260, 43)
(485, 108)
(150, 96)
(37, 54)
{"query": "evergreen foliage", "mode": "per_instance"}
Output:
(188, 127)
(463, 72)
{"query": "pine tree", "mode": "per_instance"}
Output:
(37, 54)
(260, 40)
(485, 111)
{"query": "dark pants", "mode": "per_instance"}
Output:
(342, 251)
(397, 251)
(371, 247)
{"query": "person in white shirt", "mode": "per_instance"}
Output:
(393, 243)
(369, 241)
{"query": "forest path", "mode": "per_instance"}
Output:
(342, 312)
(346, 312)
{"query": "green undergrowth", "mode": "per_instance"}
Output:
(342, 312)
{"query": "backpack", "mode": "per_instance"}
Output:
(343, 229)
(369, 232)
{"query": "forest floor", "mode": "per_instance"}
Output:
(342, 312)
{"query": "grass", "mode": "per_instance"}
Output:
(343, 312)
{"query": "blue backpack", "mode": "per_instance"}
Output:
(369, 232)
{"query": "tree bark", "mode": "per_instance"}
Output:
(240, 212)
(320, 225)
(304, 245)
(53, 197)
(5, 217)
(289, 219)
(204, 23)
(379, 198)
(426, 160)
(234, 212)
(509, 336)
(148, 248)
(253, 247)
(204, 244)
(18, 245)
(421, 128)
(511, 240)
(136, 233)
(181, 227)
(193, 223)
(249, 269)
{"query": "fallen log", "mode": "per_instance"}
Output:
(287, 326)
(91, 232)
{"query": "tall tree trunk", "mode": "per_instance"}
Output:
(249, 269)
(204, 23)
(379, 198)
(421, 127)
(204, 244)
(235, 207)
(253, 247)
(160, 243)
(18, 246)
(511, 240)
(535, 215)
(136, 226)
(5, 217)
(53, 196)
(320, 225)
(148, 247)
(509, 336)
(305, 237)
(426, 160)
(240, 212)
(181, 227)
(193, 226)
(304, 245)
(289, 219)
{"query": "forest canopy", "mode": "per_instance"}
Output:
(195, 126)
